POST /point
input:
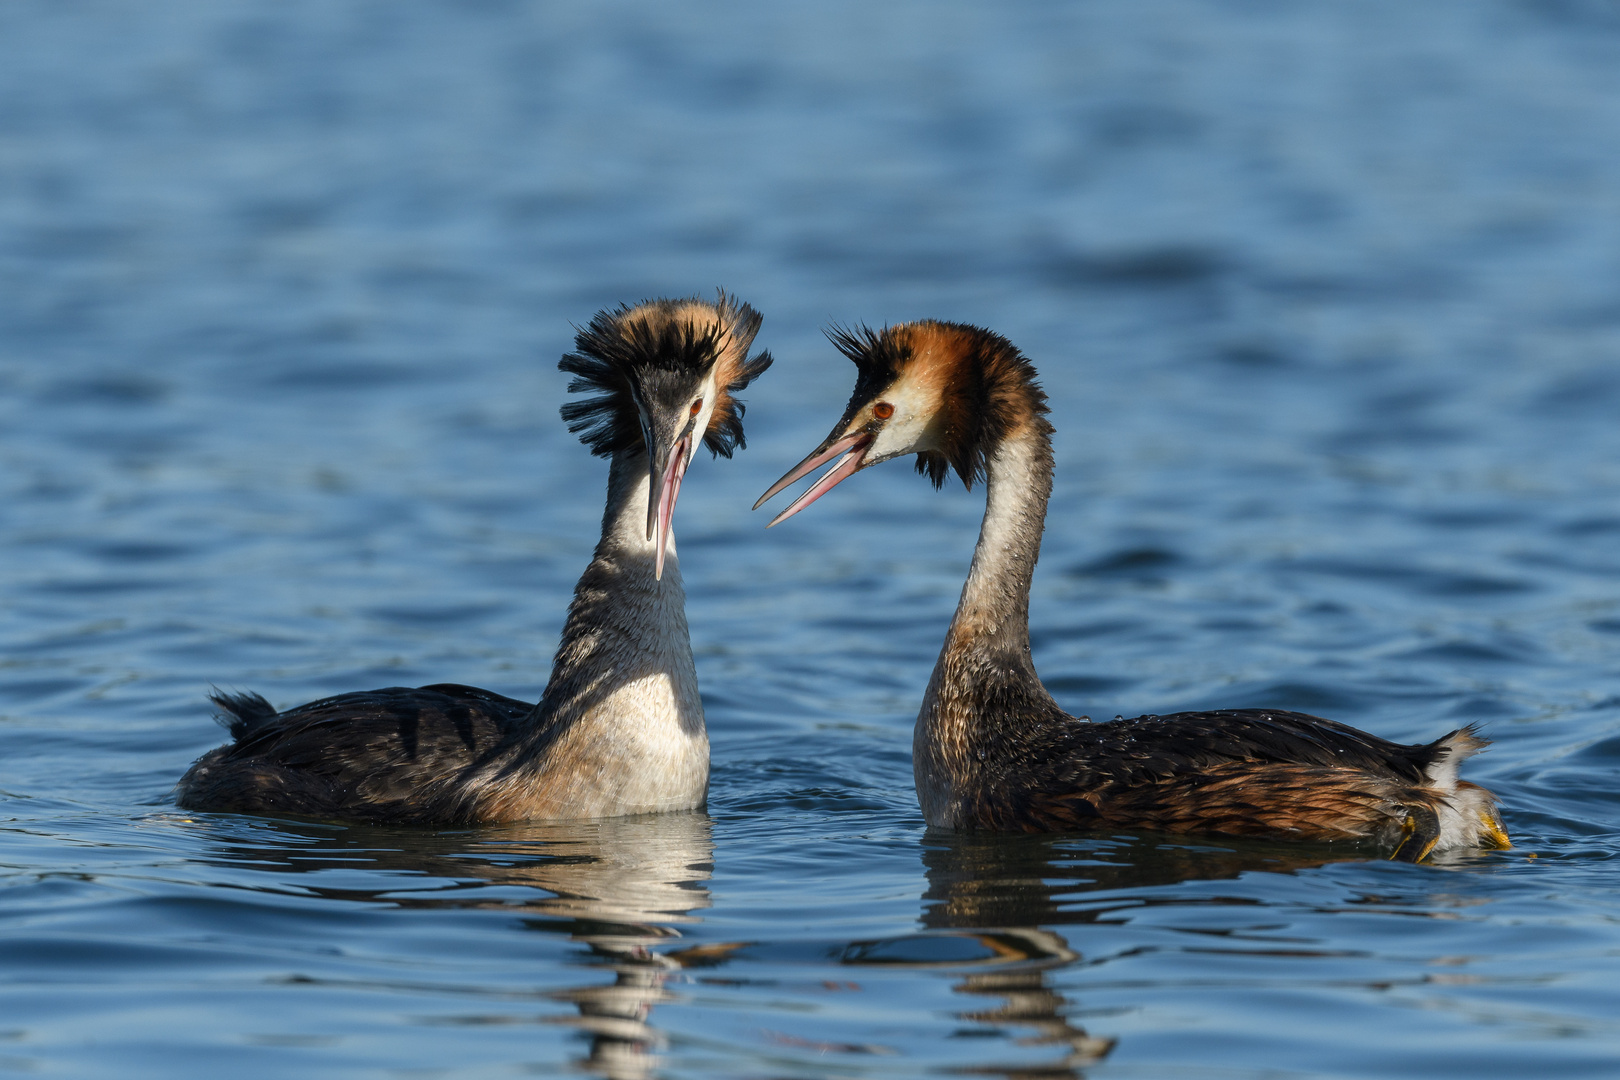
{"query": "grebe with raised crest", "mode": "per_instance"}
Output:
(620, 728)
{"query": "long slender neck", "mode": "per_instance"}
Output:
(623, 623)
(620, 728)
(984, 686)
(994, 610)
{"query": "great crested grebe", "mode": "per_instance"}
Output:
(992, 750)
(619, 729)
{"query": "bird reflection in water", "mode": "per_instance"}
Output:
(626, 886)
(622, 887)
(1011, 964)
(988, 912)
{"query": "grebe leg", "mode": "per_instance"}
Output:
(1421, 832)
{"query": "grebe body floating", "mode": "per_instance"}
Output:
(993, 751)
(619, 729)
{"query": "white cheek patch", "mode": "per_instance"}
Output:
(908, 431)
(703, 416)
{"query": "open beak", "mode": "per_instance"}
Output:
(664, 487)
(852, 447)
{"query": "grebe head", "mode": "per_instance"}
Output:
(664, 374)
(947, 392)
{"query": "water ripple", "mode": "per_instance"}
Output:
(1323, 300)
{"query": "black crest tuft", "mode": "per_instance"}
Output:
(725, 431)
(878, 357)
(660, 346)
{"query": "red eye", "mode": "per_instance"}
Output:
(697, 406)
(883, 410)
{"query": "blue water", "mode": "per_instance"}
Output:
(1327, 300)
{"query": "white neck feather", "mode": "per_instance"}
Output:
(622, 712)
(989, 635)
(995, 599)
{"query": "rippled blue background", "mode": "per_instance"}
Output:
(1327, 300)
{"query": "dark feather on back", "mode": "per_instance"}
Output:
(399, 754)
(243, 713)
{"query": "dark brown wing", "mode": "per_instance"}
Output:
(397, 754)
(1234, 771)
(1147, 748)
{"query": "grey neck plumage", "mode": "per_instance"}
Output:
(622, 619)
(619, 729)
(994, 610)
(984, 679)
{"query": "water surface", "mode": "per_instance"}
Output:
(1324, 297)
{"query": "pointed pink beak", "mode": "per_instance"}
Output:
(852, 447)
(669, 489)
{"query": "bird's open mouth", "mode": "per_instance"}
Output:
(852, 447)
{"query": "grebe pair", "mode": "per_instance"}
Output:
(619, 729)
